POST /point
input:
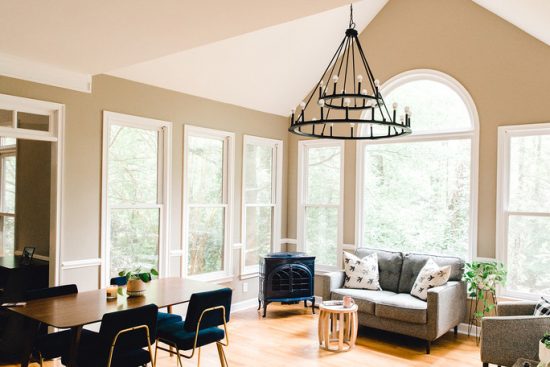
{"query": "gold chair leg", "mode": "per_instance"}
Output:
(179, 363)
(221, 353)
(199, 358)
(156, 351)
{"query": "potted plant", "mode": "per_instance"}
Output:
(482, 279)
(136, 280)
(544, 349)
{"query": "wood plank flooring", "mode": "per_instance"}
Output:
(288, 337)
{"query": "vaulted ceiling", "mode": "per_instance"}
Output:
(256, 54)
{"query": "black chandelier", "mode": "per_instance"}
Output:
(348, 107)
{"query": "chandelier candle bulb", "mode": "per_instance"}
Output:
(377, 83)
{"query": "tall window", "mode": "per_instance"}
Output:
(135, 178)
(524, 207)
(262, 181)
(320, 213)
(7, 195)
(416, 192)
(209, 156)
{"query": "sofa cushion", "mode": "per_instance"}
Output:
(365, 299)
(361, 273)
(389, 267)
(430, 276)
(403, 307)
(413, 263)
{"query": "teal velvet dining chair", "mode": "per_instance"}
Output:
(53, 345)
(124, 340)
(205, 323)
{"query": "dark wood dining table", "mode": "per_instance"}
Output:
(83, 308)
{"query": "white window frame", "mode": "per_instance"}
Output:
(505, 134)
(276, 195)
(164, 182)
(303, 147)
(226, 274)
(425, 136)
(5, 151)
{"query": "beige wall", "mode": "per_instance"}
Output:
(32, 195)
(505, 70)
(82, 165)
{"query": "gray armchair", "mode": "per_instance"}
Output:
(514, 334)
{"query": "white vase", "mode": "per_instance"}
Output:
(544, 353)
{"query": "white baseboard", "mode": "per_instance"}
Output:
(463, 329)
(244, 305)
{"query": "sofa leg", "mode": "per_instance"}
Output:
(456, 330)
(485, 364)
(428, 346)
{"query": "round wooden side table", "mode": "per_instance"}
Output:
(337, 327)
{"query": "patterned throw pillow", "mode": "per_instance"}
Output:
(429, 277)
(361, 273)
(542, 308)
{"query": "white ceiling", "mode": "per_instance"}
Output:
(532, 16)
(264, 55)
(100, 35)
(268, 70)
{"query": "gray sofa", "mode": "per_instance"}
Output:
(513, 334)
(393, 308)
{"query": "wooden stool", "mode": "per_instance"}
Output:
(337, 327)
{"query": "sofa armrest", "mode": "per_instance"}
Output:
(328, 282)
(504, 339)
(516, 308)
(446, 308)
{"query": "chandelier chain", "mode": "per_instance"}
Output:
(351, 22)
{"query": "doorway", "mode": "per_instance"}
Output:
(30, 179)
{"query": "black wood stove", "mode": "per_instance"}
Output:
(286, 277)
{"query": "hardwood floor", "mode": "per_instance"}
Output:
(288, 336)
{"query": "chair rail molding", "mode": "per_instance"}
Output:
(290, 241)
(83, 263)
(35, 256)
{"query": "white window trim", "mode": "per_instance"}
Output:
(164, 186)
(505, 133)
(7, 151)
(277, 194)
(18, 104)
(228, 193)
(303, 146)
(472, 134)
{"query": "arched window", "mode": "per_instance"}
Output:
(418, 193)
